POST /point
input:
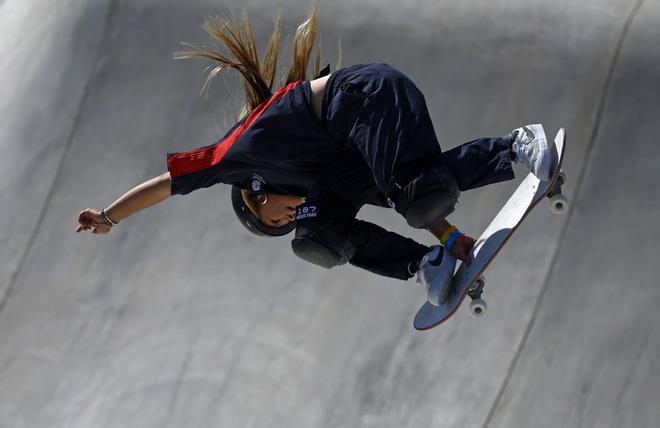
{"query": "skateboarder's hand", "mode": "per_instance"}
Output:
(92, 220)
(461, 249)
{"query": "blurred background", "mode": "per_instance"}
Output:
(181, 318)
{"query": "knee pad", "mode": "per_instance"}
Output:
(429, 209)
(427, 198)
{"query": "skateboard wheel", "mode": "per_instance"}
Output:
(559, 204)
(478, 308)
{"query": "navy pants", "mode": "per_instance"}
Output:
(381, 118)
(381, 112)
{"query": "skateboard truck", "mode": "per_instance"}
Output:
(478, 306)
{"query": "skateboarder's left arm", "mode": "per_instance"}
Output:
(461, 246)
(439, 228)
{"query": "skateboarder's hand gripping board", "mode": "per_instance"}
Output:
(461, 248)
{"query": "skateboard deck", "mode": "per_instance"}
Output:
(468, 280)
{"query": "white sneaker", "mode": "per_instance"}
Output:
(530, 148)
(435, 272)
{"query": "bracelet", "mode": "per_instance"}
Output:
(107, 218)
(450, 241)
(451, 229)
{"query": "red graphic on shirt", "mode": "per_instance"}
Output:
(198, 160)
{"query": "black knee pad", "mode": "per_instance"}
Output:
(429, 209)
(427, 198)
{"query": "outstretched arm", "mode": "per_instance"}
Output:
(143, 196)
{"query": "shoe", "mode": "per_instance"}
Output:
(435, 272)
(530, 149)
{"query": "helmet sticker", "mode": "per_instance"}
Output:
(257, 182)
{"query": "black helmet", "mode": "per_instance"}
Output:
(240, 202)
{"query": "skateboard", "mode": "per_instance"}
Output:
(469, 281)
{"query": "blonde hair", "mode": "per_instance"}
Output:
(258, 77)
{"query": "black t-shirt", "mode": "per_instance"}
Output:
(279, 147)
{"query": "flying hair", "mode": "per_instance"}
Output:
(235, 36)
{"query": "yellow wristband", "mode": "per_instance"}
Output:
(445, 235)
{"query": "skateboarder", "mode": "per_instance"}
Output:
(309, 155)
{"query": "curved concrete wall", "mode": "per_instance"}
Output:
(179, 318)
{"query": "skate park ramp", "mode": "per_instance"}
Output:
(180, 318)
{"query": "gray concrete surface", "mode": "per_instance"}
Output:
(179, 318)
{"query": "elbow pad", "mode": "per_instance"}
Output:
(322, 235)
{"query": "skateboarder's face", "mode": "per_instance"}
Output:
(277, 210)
